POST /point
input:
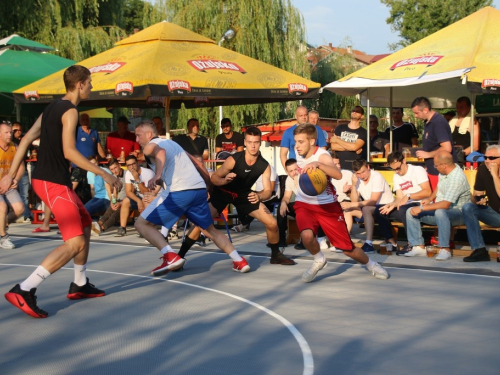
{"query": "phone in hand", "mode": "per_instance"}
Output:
(479, 197)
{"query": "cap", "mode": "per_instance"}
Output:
(123, 119)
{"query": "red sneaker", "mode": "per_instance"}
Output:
(241, 266)
(171, 261)
(25, 301)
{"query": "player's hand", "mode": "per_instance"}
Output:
(112, 181)
(310, 167)
(230, 177)
(15, 184)
(253, 197)
(5, 184)
(425, 201)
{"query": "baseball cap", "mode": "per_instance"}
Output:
(123, 119)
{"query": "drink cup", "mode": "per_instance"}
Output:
(380, 155)
(373, 155)
(383, 250)
(430, 251)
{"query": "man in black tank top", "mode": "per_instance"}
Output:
(233, 185)
(51, 182)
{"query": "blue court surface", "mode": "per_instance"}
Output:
(210, 320)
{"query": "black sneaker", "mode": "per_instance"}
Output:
(299, 246)
(85, 291)
(478, 255)
(404, 250)
(121, 232)
(25, 301)
(283, 260)
(201, 241)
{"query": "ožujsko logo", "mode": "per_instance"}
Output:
(490, 82)
(201, 101)
(31, 95)
(107, 68)
(155, 99)
(204, 65)
(297, 88)
(124, 88)
(425, 60)
(179, 87)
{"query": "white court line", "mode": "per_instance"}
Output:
(304, 346)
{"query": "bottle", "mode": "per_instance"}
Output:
(113, 199)
(34, 154)
(122, 155)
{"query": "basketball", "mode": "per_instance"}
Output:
(313, 182)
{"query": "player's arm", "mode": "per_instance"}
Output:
(153, 151)
(240, 148)
(223, 174)
(266, 184)
(325, 163)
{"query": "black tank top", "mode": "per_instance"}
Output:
(461, 139)
(51, 165)
(246, 175)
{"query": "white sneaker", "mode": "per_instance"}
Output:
(379, 272)
(332, 249)
(443, 255)
(6, 243)
(310, 274)
(416, 251)
(322, 243)
(95, 229)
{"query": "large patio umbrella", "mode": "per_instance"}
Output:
(167, 65)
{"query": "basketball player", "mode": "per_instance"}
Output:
(185, 194)
(323, 209)
(51, 182)
(233, 185)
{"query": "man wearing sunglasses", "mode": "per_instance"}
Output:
(411, 185)
(485, 204)
(349, 141)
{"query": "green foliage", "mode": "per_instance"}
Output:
(416, 19)
(133, 14)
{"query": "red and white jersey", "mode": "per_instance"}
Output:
(329, 195)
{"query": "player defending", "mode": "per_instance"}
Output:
(323, 210)
(51, 182)
(185, 194)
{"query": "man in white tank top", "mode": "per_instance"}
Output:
(323, 210)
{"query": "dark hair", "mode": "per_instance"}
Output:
(334, 154)
(112, 161)
(358, 164)
(360, 108)
(253, 130)
(73, 75)
(290, 161)
(399, 109)
(421, 102)
(308, 129)
(450, 113)
(464, 99)
(131, 157)
(225, 120)
(395, 156)
(191, 119)
(91, 157)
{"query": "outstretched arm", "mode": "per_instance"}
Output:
(223, 175)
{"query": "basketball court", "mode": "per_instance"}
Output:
(210, 320)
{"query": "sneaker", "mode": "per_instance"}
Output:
(27, 220)
(416, 251)
(171, 261)
(282, 259)
(333, 249)
(121, 232)
(95, 229)
(478, 255)
(368, 248)
(322, 243)
(25, 301)
(172, 234)
(241, 266)
(379, 272)
(404, 250)
(311, 273)
(443, 255)
(238, 228)
(85, 291)
(299, 246)
(6, 243)
(201, 241)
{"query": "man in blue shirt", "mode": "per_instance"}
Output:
(287, 149)
(87, 139)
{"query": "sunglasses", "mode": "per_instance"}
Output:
(491, 157)
(398, 168)
(357, 110)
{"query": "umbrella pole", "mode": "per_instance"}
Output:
(166, 104)
(473, 106)
(390, 120)
(368, 125)
(18, 111)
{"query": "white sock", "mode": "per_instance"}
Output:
(164, 231)
(167, 249)
(35, 279)
(370, 264)
(235, 256)
(80, 274)
(369, 242)
(319, 257)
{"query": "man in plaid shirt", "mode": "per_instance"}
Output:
(452, 192)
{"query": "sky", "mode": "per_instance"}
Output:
(361, 21)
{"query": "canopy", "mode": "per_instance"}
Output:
(167, 63)
(23, 43)
(456, 61)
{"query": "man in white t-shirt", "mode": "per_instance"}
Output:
(411, 185)
(374, 190)
(287, 200)
(136, 182)
(344, 185)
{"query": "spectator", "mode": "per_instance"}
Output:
(460, 126)
(24, 182)
(374, 190)
(350, 140)
(229, 141)
(88, 142)
(100, 199)
(344, 185)
(404, 134)
(485, 205)
(122, 139)
(193, 143)
(159, 125)
(287, 200)
(313, 118)
(452, 192)
(411, 185)
(374, 133)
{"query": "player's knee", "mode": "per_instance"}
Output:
(76, 245)
(307, 235)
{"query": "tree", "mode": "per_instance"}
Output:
(271, 31)
(416, 19)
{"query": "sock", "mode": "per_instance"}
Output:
(369, 242)
(235, 256)
(80, 274)
(319, 257)
(167, 249)
(186, 245)
(370, 264)
(35, 279)
(275, 249)
(164, 231)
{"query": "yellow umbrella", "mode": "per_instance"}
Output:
(458, 60)
(98, 113)
(166, 65)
